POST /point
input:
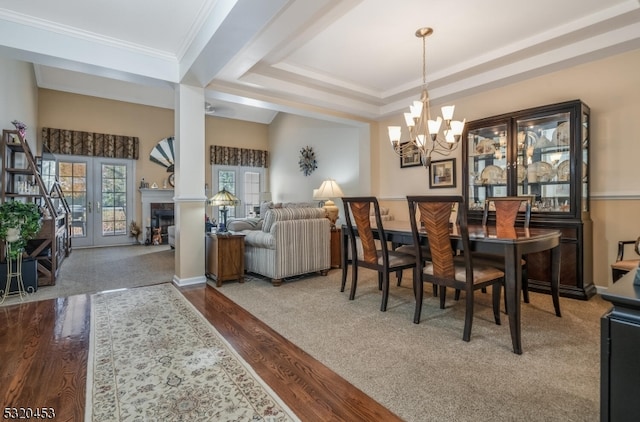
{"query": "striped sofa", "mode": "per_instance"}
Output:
(291, 242)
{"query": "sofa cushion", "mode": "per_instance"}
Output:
(280, 214)
(239, 224)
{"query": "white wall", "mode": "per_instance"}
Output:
(339, 149)
(19, 98)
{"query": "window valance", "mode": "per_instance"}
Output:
(230, 156)
(73, 142)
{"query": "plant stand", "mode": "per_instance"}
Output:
(14, 269)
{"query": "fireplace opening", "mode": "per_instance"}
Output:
(161, 217)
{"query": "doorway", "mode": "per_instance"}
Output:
(100, 195)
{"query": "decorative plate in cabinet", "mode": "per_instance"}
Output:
(492, 174)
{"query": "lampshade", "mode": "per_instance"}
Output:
(316, 195)
(223, 199)
(329, 189)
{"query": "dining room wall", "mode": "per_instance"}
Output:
(611, 87)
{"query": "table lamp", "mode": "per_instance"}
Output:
(223, 199)
(330, 189)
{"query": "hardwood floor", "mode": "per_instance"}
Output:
(44, 349)
(43, 356)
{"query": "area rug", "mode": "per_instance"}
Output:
(153, 357)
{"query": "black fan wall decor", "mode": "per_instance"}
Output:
(163, 153)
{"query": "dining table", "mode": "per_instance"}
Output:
(512, 243)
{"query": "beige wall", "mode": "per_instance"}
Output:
(79, 112)
(19, 97)
(611, 87)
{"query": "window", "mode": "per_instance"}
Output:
(244, 182)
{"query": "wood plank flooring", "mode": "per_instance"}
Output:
(44, 349)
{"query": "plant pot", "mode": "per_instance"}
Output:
(29, 277)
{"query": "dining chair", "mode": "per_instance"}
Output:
(507, 212)
(622, 265)
(443, 269)
(374, 255)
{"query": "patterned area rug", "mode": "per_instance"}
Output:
(153, 357)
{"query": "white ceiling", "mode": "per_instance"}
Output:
(257, 57)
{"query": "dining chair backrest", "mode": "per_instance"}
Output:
(360, 208)
(507, 209)
(434, 215)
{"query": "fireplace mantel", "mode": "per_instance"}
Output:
(153, 196)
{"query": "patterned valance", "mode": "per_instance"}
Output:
(73, 142)
(230, 156)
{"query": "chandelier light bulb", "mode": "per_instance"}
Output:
(434, 125)
(447, 112)
(394, 133)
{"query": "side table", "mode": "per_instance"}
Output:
(225, 257)
(336, 249)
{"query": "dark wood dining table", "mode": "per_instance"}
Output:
(512, 243)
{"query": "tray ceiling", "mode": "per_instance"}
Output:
(358, 57)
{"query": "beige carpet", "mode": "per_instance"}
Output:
(426, 372)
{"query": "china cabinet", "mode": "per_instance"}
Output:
(542, 152)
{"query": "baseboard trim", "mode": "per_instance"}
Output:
(182, 282)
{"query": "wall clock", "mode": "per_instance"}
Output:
(307, 161)
(172, 180)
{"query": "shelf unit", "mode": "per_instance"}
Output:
(542, 152)
(21, 180)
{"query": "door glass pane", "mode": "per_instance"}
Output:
(227, 180)
(251, 198)
(114, 198)
(73, 182)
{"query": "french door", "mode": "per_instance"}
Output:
(100, 194)
(246, 183)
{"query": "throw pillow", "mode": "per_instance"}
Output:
(240, 224)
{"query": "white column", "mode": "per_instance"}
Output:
(189, 185)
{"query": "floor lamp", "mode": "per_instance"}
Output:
(223, 199)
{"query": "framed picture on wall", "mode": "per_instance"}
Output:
(412, 156)
(442, 174)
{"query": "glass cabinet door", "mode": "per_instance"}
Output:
(487, 163)
(544, 147)
(584, 205)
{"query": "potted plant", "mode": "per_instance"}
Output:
(19, 222)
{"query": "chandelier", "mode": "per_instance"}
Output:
(424, 133)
